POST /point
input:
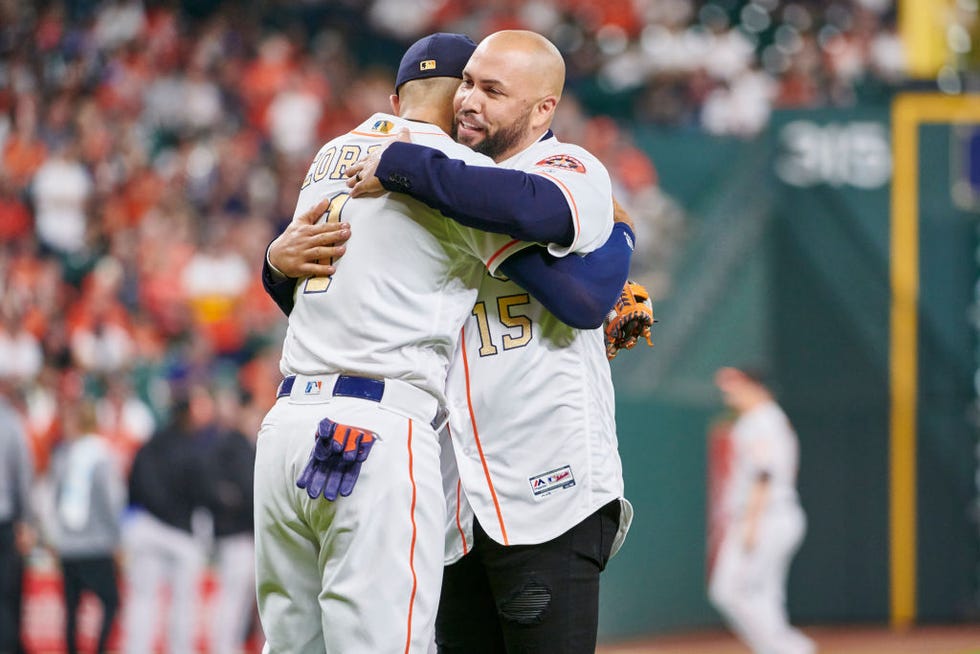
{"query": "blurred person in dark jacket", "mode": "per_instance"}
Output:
(90, 496)
(230, 462)
(17, 533)
(167, 486)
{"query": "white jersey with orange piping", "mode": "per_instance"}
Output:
(532, 409)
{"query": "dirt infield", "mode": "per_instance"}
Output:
(961, 639)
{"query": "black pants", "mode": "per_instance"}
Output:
(525, 599)
(98, 575)
(11, 590)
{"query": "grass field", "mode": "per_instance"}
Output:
(961, 639)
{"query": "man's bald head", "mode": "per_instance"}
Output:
(529, 56)
(511, 87)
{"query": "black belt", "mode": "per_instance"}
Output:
(364, 388)
(345, 386)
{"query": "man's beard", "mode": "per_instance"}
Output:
(494, 145)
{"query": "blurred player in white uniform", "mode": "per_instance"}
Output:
(531, 400)
(764, 523)
(369, 347)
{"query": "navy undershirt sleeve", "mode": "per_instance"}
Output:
(280, 290)
(578, 290)
(527, 207)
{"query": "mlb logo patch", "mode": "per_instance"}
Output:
(383, 126)
(554, 480)
(428, 64)
(313, 387)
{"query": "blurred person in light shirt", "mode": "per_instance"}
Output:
(21, 356)
(99, 333)
(125, 420)
(61, 189)
(293, 117)
(214, 281)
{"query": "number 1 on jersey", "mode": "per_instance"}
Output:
(321, 284)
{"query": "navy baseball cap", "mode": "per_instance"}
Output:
(442, 54)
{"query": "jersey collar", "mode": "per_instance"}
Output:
(544, 137)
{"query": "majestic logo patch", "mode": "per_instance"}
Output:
(551, 481)
(313, 387)
(563, 161)
(428, 64)
(383, 126)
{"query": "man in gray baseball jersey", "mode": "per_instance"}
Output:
(365, 360)
(563, 525)
(531, 400)
(16, 521)
(320, 315)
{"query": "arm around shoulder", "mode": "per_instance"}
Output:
(525, 206)
(578, 290)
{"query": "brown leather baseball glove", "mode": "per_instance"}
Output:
(629, 320)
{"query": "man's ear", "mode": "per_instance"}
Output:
(395, 103)
(545, 111)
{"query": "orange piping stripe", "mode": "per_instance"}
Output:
(476, 436)
(459, 525)
(372, 134)
(499, 252)
(459, 497)
(391, 134)
(411, 556)
(571, 200)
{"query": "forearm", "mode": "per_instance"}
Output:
(578, 290)
(527, 207)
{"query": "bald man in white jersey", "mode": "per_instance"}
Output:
(531, 399)
(365, 357)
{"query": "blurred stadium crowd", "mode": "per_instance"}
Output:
(151, 150)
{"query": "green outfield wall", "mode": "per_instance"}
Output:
(787, 264)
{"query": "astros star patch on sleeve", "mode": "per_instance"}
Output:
(563, 161)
